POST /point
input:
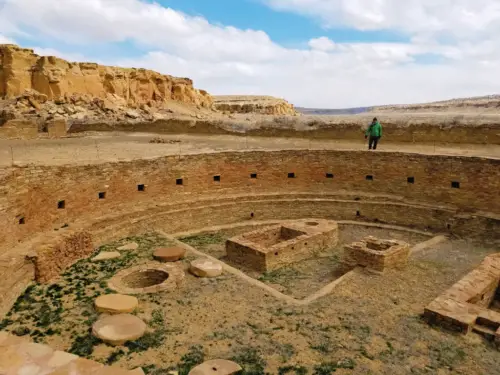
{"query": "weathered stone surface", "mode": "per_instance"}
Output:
(266, 105)
(276, 246)
(116, 304)
(105, 255)
(60, 80)
(205, 268)
(59, 359)
(216, 367)
(129, 246)
(376, 255)
(58, 250)
(118, 329)
(22, 129)
(20, 356)
(79, 366)
(169, 254)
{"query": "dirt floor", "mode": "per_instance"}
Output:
(301, 279)
(94, 148)
(370, 324)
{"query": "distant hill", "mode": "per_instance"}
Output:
(341, 111)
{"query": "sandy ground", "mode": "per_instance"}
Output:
(102, 147)
(370, 324)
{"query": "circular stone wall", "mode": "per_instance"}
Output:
(147, 278)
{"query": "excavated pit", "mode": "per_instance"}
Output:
(145, 279)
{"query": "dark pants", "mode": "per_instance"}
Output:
(372, 144)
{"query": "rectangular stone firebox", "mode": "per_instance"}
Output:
(376, 255)
(273, 247)
(472, 304)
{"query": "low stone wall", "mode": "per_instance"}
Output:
(57, 128)
(48, 197)
(59, 251)
(465, 306)
(377, 255)
(311, 128)
(271, 248)
(19, 129)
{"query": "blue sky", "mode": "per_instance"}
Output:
(286, 28)
(315, 53)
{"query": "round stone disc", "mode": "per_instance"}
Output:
(216, 367)
(116, 304)
(118, 329)
(169, 254)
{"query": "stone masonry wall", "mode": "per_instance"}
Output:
(58, 251)
(34, 199)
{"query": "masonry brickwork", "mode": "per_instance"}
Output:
(376, 254)
(472, 304)
(19, 129)
(58, 251)
(271, 248)
(144, 194)
(57, 128)
(34, 192)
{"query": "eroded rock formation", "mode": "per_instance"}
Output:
(266, 105)
(58, 80)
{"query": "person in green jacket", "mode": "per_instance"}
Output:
(374, 133)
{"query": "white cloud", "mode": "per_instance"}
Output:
(452, 18)
(322, 44)
(227, 60)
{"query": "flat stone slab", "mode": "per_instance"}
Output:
(169, 254)
(205, 268)
(116, 304)
(105, 255)
(216, 367)
(129, 246)
(118, 329)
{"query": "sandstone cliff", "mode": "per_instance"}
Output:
(265, 105)
(61, 81)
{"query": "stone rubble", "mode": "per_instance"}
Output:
(205, 268)
(105, 255)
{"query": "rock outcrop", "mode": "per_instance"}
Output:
(58, 80)
(265, 105)
(479, 104)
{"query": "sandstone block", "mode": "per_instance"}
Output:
(169, 254)
(129, 246)
(105, 255)
(205, 268)
(118, 329)
(116, 304)
(216, 367)
(60, 359)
